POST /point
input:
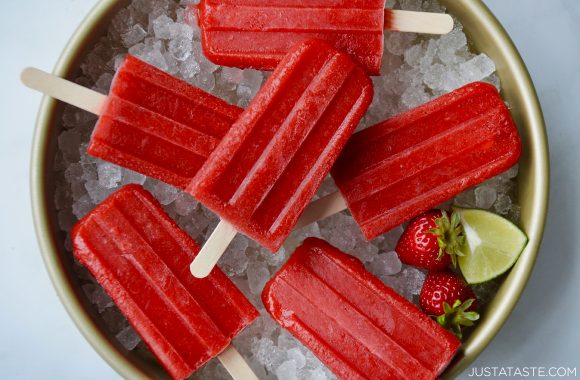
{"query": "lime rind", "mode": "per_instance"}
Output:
(492, 245)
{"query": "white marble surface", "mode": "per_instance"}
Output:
(37, 338)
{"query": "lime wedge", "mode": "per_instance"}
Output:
(492, 245)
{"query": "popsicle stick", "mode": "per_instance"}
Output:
(322, 208)
(418, 22)
(213, 249)
(236, 365)
(62, 89)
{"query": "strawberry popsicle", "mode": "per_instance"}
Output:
(158, 125)
(257, 34)
(406, 165)
(273, 159)
(356, 325)
(140, 257)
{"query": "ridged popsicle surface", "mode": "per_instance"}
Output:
(357, 326)
(141, 258)
(412, 162)
(257, 34)
(158, 125)
(273, 159)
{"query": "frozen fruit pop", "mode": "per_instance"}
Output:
(273, 159)
(140, 257)
(356, 325)
(412, 162)
(159, 125)
(257, 34)
(151, 122)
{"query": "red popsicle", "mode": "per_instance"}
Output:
(273, 159)
(408, 164)
(140, 257)
(257, 34)
(357, 326)
(404, 166)
(158, 125)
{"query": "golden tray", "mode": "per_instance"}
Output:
(486, 34)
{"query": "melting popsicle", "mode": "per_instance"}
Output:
(140, 257)
(257, 34)
(356, 325)
(273, 159)
(151, 122)
(410, 163)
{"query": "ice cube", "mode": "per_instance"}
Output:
(184, 204)
(129, 338)
(252, 80)
(235, 261)
(466, 198)
(82, 206)
(258, 275)
(503, 204)
(287, 370)
(97, 192)
(511, 172)
(413, 54)
(189, 68)
(162, 27)
(73, 117)
(68, 143)
(485, 197)
(386, 264)
(341, 231)
(233, 75)
(414, 96)
(449, 45)
(408, 282)
(129, 176)
(365, 251)
(267, 353)
(180, 48)
(297, 356)
(109, 174)
(275, 259)
(164, 193)
(205, 81)
(316, 374)
(476, 69)
(397, 43)
(134, 35)
(411, 5)
(391, 238)
(122, 21)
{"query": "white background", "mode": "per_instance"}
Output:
(39, 341)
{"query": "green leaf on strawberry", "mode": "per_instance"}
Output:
(457, 316)
(450, 236)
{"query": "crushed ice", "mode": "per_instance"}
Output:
(416, 69)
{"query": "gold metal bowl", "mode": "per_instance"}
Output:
(486, 34)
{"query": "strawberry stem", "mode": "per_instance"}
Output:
(456, 316)
(450, 235)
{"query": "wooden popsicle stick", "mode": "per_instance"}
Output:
(62, 89)
(322, 208)
(418, 22)
(213, 249)
(236, 365)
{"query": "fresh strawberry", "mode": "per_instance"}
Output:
(431, 241)
(448, 298)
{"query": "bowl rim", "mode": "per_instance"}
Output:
(63, 284)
